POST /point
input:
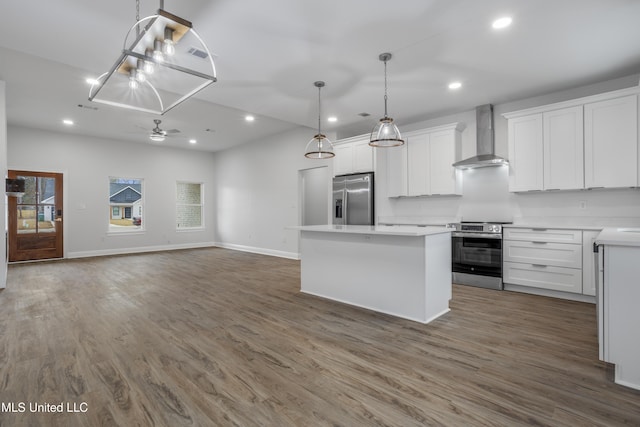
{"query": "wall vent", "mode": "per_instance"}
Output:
(198, 53)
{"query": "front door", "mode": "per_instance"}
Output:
(35, 219)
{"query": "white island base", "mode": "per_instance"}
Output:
(401, 271)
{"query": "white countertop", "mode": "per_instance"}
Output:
(619, 236)
(379, 229)
(554, 226)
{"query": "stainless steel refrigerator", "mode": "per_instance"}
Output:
(353, 199)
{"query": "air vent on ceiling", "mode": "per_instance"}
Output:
(88, 107)
(198, 53)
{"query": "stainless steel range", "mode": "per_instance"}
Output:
(476, 253)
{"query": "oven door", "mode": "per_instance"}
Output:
(477, 254)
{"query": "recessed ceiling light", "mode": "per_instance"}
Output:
(455, 85)
(67, 122)
(249, 118)
(192, 141)
(501, 23)
(92, 81)
(332, 119)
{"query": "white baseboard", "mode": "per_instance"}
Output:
(261, 251)
(124, 251)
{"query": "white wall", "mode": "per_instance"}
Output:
(257, 193)
(485, 191)
(3, 175)
(87, 163)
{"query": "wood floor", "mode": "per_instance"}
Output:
(214, 337)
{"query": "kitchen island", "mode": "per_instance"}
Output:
(401, 271)
(618, 300)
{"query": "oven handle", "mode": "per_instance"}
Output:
(477, 235)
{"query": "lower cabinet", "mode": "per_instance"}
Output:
(543, 276)
(553, 259)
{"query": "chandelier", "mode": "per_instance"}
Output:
(163, 62)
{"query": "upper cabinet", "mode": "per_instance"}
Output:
(422, 167)
(563, 151)
(586, 143)
(525, 153)
(611, 143)
(545, 150)
(353, 155)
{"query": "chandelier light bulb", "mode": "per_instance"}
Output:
(169, 47)
(140, 75)
(157, 51)
(133, 81)
(149, 67)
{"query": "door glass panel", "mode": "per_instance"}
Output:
(36, 209)
(46, 190)
(30, 187)
(26, 219)
(46, 218)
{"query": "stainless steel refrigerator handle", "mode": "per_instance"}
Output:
(345, 206)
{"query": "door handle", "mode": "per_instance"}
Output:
(58, 219)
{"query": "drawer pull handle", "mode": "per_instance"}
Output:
(539, 229)
(539, 243)
(539, 265)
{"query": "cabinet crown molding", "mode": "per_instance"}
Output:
(573, 102)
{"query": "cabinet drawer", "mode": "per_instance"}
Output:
(543, 253)
(543, 235)
(544, 277)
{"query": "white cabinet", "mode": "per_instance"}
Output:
(611, 143)
(362, 156)
(589, 142)
(543, 258)
(525, 153)
(396, 168)
(588, 267)
(563, 149)
(353, 155)
(343, 161)
(546, 150)
(618, 314)
(554, 235)
(418, 159)
(444, 150)
(425, 167)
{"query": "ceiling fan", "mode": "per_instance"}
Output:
(158, 135)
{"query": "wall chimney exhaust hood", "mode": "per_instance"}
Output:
(485, 156)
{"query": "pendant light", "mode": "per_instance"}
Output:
(319, 147)
(385, 133)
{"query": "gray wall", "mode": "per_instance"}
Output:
(258, 193)
(3, 175)
(87, 163)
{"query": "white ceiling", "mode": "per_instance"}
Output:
(269, 53)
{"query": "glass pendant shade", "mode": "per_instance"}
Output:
(386, 134)
(319, 148)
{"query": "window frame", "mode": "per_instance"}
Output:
(133, 229)
(201, 205)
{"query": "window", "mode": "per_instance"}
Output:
(189, 205)
(125, 204)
